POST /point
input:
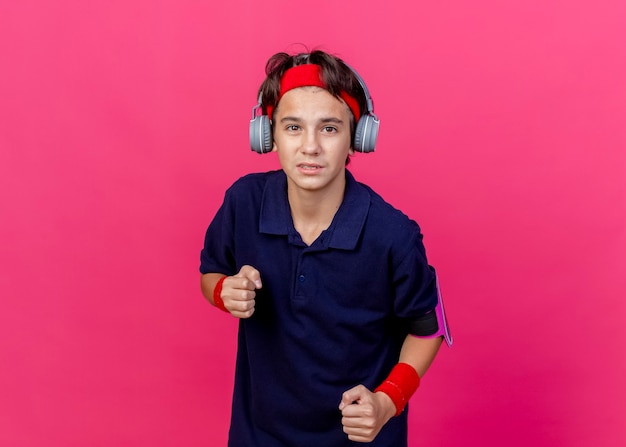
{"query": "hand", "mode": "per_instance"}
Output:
(238, 292)
(365, 413)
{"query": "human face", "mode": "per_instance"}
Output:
(311, 132)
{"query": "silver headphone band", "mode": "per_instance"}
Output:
(368, 98)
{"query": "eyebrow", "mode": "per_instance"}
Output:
(322, 121)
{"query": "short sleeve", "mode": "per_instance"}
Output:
(417, 297)
(217, 255)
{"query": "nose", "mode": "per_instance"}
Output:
(310, 142)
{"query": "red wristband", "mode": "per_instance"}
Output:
(217, 295)
(400, 385)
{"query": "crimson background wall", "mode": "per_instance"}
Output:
(122, 123)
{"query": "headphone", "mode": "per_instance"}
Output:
(365, 134)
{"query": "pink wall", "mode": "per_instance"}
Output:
(122, 122)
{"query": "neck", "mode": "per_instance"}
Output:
(313, 211)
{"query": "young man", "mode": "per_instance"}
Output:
(339, 310)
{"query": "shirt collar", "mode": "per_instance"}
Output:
(347, 225)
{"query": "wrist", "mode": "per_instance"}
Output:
(400, 385)
(217, 295)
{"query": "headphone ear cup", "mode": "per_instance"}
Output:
(366, 134)
(261, 134)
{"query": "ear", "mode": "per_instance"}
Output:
(274, 148)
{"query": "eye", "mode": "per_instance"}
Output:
(292, 128)
(329, 129)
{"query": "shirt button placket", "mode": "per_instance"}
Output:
(300, 273)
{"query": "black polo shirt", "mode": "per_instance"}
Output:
(330, 316)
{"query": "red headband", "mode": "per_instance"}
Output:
(309, 75)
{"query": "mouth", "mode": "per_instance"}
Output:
(309, 167)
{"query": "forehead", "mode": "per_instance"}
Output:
(312, 102)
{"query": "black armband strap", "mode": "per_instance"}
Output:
(424, 326)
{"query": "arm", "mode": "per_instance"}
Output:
(364, 412)
(238, 291)
(419, 352)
